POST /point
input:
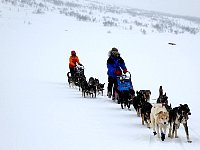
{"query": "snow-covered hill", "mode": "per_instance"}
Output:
(111, 16)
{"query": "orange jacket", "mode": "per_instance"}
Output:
(72, 61)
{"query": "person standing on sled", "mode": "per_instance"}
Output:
(73, 60)
(115, 65)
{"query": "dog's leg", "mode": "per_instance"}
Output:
(79, 88)
(142, 119)
(84, 93)
(129, 104)
(125, 103)
(145, 120)
(176, 133)
(87, 92)
(138, 114)
(158, 130)
(148, 123)
(153, 125)
(121, 101)
(163, 132)
(140, 111)
(187, 132)
(173, 130)
(170, 130)
(95, 93)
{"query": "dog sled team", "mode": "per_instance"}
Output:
(158, 116)
(76, 77)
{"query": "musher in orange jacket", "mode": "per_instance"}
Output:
(73, 60)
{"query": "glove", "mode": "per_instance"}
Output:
(117, 72)
(124, 70)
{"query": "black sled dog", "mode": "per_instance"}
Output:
(177, 116)
(145, 113)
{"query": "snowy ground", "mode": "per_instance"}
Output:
(39, 111)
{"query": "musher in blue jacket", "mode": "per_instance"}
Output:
(115, 65)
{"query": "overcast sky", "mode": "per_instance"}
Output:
(179, 7)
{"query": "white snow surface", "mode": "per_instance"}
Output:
(38, 109)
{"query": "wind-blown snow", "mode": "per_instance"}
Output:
(38, 110)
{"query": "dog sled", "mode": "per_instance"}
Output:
(125, 90)
(79, 70)
(124, 82)
(78, 76)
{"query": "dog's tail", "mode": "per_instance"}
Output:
(68, 74)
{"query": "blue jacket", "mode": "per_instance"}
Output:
(115, 63)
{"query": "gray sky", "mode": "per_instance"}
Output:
(179, 7)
